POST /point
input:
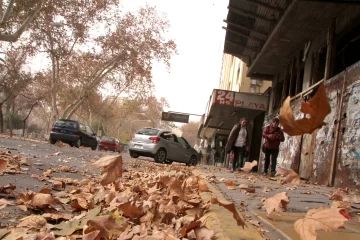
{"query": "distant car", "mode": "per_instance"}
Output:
(74, 133)
(110, 144)
(163, 146)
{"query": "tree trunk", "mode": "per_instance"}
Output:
(26, 118)
(55, 74)
(1, 119)
(75, 108)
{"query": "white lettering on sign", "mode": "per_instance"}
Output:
(250, 101)
(224, 97)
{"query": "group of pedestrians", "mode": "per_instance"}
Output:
(238, 144)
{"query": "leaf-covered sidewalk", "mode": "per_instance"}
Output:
(273, 205)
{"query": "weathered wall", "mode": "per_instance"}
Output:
(348, 167)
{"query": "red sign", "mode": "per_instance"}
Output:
(224, 97)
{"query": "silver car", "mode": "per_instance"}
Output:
(163, 146)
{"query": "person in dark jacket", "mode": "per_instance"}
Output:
(273, 135)
(238, 143)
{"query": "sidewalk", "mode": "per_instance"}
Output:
(302, 198)
(221, 220)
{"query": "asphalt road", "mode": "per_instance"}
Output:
(42, 156)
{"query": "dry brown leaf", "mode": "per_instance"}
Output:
(315, 219)
(230, 185)
(32, 222)
(274, 203)
(57, 216)
(132, 211)
(203, 233)
(307, 192)
(104, 224)
(318, 108)
(230, 207)
(256, 223)
(203, 187)
(4, 203)
(343, 205)
(250, 190)
(112, 168)
(186, 229)
(290, 175)
(337, 196)
(37, 200)
(243, 186)
(45, 191)
(7, 189)
(249, 166)
(3, 164)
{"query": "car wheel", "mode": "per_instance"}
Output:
(93, 148)
(193, 160)
(133, 155)
(160, 156)
(52, 141)
(71, 144)
(77, 144)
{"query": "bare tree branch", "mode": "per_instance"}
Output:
(14, 37)
(7, 11)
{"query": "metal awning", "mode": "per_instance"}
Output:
(266, 34)
(226, 108)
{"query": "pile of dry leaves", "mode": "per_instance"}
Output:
(160, 202)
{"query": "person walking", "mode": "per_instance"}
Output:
(273, 135)
(238, 143)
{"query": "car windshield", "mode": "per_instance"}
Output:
(66, 124)
(148, 132)
(107, 139)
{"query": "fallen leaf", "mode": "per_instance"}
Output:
(32, 222)
(274, 203)
(230, 207)
(230, 185)
(352, 199)
(318, 108)
(290, 175)
(112, 168)
(7, 188)
(243, 186)
(104, 224)
(266, 190)
(41, 200)
(250, 190)
(255, 223)
(315, 219)
(343, 205)
(337, 195)
(56, 216)
(4, 203)
(203, 187)
(248, 166)
(203, 233)
(307, 192)
(3, 164)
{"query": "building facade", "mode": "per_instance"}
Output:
(233, 77)
(299, 45)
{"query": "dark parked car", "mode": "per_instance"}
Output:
(110, 144)
(74, 133)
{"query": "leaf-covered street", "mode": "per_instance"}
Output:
(55, 192)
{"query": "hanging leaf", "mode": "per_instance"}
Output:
(318, 108)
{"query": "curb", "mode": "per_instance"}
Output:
(221, 220)
(269, 225)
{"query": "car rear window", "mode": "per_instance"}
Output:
(148, 132)
(66, 124)
(107, 139)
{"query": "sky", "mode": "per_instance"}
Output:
(196, 27)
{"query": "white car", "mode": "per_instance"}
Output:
(163, 146)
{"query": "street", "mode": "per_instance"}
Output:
(46, 165)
